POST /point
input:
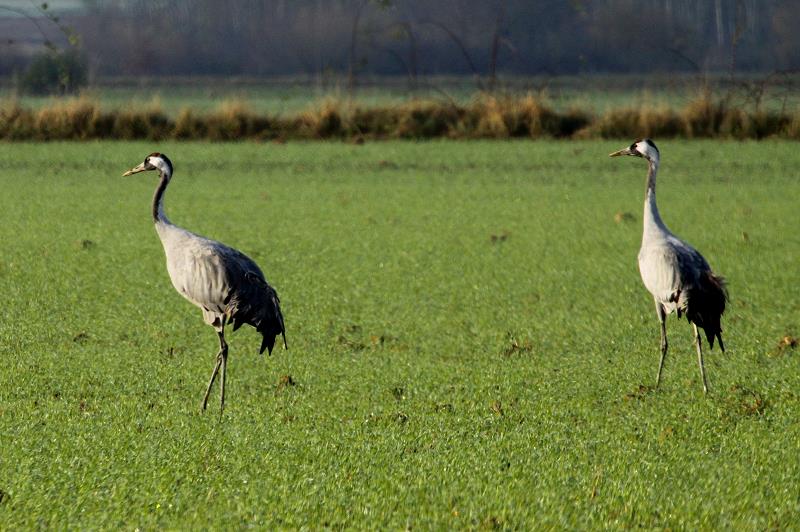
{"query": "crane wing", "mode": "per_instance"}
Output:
(251, 299)
(669, 269)
(659, 268)
(199, 274)
(247, 287)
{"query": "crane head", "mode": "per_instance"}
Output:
(154, 161)
(644, 148)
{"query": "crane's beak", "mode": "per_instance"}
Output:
(623, 151)
(136, 170)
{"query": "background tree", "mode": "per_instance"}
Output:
(323, 39)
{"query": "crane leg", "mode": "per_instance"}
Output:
(699, 345)
(211, 381)
(223, 348)
(662, 318)
(224, 354)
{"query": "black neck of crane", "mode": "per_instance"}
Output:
(158, 197)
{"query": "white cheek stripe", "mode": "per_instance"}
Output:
(159, 163)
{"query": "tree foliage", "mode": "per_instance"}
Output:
(55, 72)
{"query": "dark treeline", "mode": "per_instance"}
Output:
(415, 38)
(412, 38)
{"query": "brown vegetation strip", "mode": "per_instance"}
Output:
(485, 117)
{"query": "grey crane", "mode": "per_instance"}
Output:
(675, 273)
(226, 284)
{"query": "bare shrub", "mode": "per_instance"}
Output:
(793, 127)
(16, 122)
(492, 118)
(703, 116)
(374, 122)
(427, 120)
(232, 120)
(74, 118)
(189, 125)
(324, 121)
(149, 124)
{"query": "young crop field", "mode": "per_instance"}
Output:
(288, 96)
(470, 345)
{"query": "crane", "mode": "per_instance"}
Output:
(225, 283)
(675, 273)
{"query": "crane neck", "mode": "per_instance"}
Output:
(652, 218)
(158, 198)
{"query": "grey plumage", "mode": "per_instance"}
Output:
(223, 282)
(675, 273)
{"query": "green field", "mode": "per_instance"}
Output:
(470, 343)
(285, 96)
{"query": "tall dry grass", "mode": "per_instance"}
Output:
(485, 116)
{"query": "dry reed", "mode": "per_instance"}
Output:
(485, 116)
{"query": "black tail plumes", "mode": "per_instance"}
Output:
(271, 324)
(706, 304)
(256, 303)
